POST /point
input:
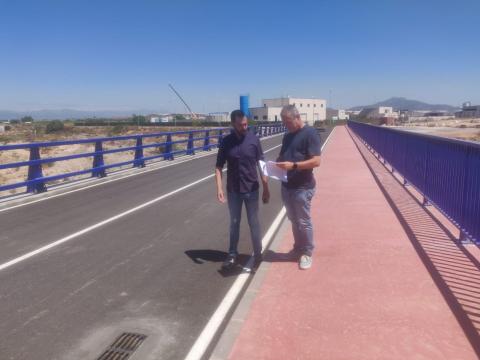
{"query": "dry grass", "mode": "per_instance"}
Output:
(27, 133)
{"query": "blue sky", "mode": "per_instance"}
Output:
(121, 55)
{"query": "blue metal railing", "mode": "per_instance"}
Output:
(445, 171)
(36, 182)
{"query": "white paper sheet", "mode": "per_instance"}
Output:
(271, 170)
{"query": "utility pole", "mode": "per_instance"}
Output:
(330, 101)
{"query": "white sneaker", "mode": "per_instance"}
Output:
(305, 262)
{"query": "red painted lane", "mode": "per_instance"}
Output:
(367, 296)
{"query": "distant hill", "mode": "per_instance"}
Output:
(400, 103)
(62, 114)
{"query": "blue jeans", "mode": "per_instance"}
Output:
(235, 201)
(297, 203)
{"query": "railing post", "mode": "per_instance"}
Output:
(190, 146)
(259, 129)
(167, 152)
(220, 137)
(35, 172)
(405, 152)
(98, 161)
(138, 161)
(464, 238)
(425, 201)
(206, 142)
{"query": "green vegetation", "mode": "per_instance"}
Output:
(54, 126)
(179, 117)
(139, 119)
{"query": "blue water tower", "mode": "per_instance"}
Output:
(244, 105)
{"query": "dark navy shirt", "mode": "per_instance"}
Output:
(242, 155)
(300, 146)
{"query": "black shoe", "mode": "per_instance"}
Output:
(230, 261)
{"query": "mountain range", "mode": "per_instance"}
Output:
(401, 103)
(398, 103)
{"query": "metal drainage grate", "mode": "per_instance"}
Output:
(123, 347)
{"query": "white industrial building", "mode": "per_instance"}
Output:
(218, 117)
(468, 111)
(340, 114)
(163, 118)
(310, 110)
(378, 112)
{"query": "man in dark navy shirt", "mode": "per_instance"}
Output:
(299, 155)
(241, 150)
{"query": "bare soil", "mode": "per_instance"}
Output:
(36, 133)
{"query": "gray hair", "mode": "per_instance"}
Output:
(290, 110)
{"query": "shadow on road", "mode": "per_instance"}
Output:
(272, 256)
(204, 255)
(200, 256)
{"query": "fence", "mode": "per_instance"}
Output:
(37, 183)
(445, 171)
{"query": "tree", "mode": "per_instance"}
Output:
(26, 119)
(139, 119)
(54, 126)
(179, 117)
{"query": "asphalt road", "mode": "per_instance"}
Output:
(153, 271)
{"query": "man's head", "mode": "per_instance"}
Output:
(239, 121)
(291, 118)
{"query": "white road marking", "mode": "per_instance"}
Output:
(203, 341)
(210, 330)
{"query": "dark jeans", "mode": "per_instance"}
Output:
(235, 201)
(297, 203)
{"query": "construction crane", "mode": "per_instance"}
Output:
(192, 114)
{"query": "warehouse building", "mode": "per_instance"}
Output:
(469, 111)
(378, 113)
(310, 110)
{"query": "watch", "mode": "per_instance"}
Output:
(295, 166)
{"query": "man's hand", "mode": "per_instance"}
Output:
(266, 195)
(285, 165)
(221, 196)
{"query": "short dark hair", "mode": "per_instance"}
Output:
(236, 114)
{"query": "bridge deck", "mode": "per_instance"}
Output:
(377, 289)
(153, 270)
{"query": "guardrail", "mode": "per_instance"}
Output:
(37, 183)
(445, 171)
